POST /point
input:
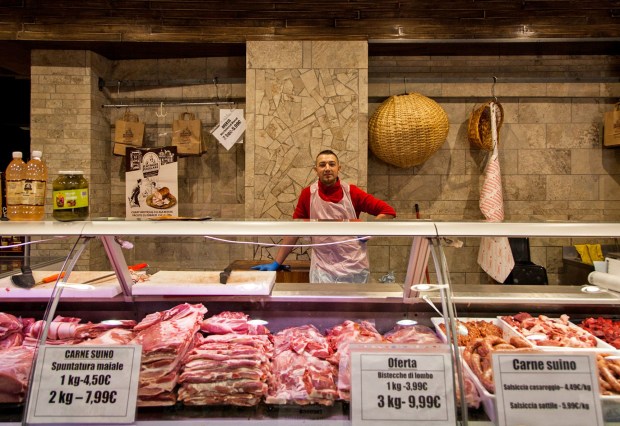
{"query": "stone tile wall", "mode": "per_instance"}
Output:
(302, 97)
(68, 125)
(553, 163)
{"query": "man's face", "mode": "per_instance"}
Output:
(327, 168)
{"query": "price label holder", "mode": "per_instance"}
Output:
(85, 384)
(402, 384)
(539, 389)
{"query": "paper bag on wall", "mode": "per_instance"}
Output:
(129, 130)
(611, 135)
(187, 134)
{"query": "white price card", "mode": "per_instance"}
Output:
(534, 389)
(85, 384)
(230, 128)
(401, 384)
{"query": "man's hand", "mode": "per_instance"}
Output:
(363, 240)
(273, 266)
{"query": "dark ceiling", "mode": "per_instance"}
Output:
(142, 29)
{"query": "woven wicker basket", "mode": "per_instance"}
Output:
(479, 127)
(407, 129)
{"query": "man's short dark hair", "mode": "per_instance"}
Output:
(327, 152)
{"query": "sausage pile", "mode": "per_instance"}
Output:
(478, 356)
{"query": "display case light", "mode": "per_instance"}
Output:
(258, 322)
(428, 287)
(406, 322)
(76, 286)
(537, 337)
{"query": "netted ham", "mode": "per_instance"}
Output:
(226, 369)
(62, 331)
(340, 338)
(165, 338)
(301, 374)
(15, 364)
(231, 322)
(555, 331)
(70, 330)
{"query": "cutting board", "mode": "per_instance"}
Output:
(108, 287)
(256, 283)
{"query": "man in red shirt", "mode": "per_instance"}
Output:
(344, 259)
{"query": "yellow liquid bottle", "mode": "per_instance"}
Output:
(35, 185)
(14, 188)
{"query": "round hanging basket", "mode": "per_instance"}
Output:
(479, 126)
(407, 129)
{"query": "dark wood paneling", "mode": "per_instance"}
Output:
(108, 25)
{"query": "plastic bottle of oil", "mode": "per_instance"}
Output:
(14, 177)
(35, 184)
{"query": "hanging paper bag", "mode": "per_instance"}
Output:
(129, 130)
(187, 134)
(611, 137)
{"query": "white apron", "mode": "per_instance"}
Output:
(343, 262)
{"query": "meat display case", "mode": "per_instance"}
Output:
(323, 305)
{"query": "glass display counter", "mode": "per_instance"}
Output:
(297, 304)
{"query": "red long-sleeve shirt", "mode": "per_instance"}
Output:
(362, 202)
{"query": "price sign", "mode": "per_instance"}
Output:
(395, 383)
(85, 384)
(534, 388)
(230, 128)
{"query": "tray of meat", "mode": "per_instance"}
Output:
(469, 329)
(477, 365)
(605, 329)
(552, 333)
(608, 364)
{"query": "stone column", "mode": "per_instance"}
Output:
(69, 125)
(302, 97)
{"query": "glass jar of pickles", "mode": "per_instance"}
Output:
(70, 196)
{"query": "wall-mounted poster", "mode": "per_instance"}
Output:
(151, 182)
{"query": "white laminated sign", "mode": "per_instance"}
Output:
(231, 127)
(85, 384)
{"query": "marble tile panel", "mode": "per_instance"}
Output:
(573, 135)
(610, 89)
(414, 187)
(339, 54)
(443, 162)
(609, 187)
(574, 187)
(524, 188)
(544, 161)
(549, 111)
(589, 111)
(595, 161)
(572, 89)
(274, 54)
(527, 136)
(458, 187)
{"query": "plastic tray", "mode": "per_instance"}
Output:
(506, 329)
(599, 343)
